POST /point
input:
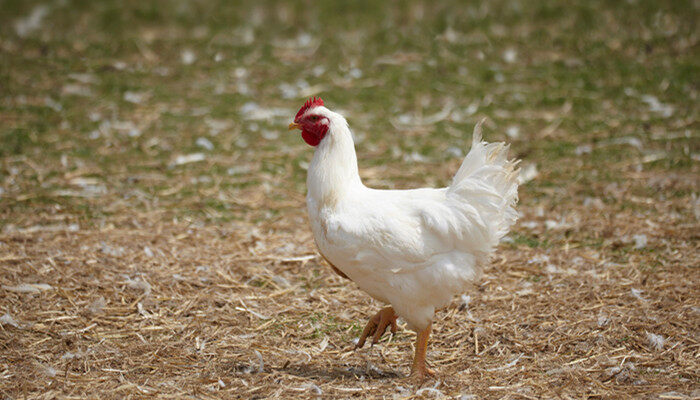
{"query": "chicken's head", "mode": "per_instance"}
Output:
(312, 120)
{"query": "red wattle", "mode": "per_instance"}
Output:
(310, 138)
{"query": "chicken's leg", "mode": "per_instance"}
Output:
(377, 326)
(418, 369)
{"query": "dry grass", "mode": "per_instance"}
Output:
(211, 311)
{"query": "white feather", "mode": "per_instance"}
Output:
(414, 249)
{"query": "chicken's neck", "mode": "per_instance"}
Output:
(333, 170)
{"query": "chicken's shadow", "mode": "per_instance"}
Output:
(350, 372)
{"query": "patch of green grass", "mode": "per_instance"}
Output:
(15, 142)
(327, 324)
(527, 240)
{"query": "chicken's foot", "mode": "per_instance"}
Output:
(377, 325)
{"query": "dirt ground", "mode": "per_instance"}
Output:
(215, 311)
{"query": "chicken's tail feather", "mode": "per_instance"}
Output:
(488, 181)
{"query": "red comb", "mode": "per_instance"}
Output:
(312, 102)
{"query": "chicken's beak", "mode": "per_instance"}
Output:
(294, 125)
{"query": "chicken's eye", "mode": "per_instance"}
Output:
(314, 118)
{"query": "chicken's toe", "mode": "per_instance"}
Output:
(387, 319)
(377, 325)
(419, 375)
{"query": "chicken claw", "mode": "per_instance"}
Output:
(421, 374)
(377, 325)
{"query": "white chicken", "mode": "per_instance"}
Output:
(411, 249)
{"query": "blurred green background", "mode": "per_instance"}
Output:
(180, 107)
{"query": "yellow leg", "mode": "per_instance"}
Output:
(419, 369)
